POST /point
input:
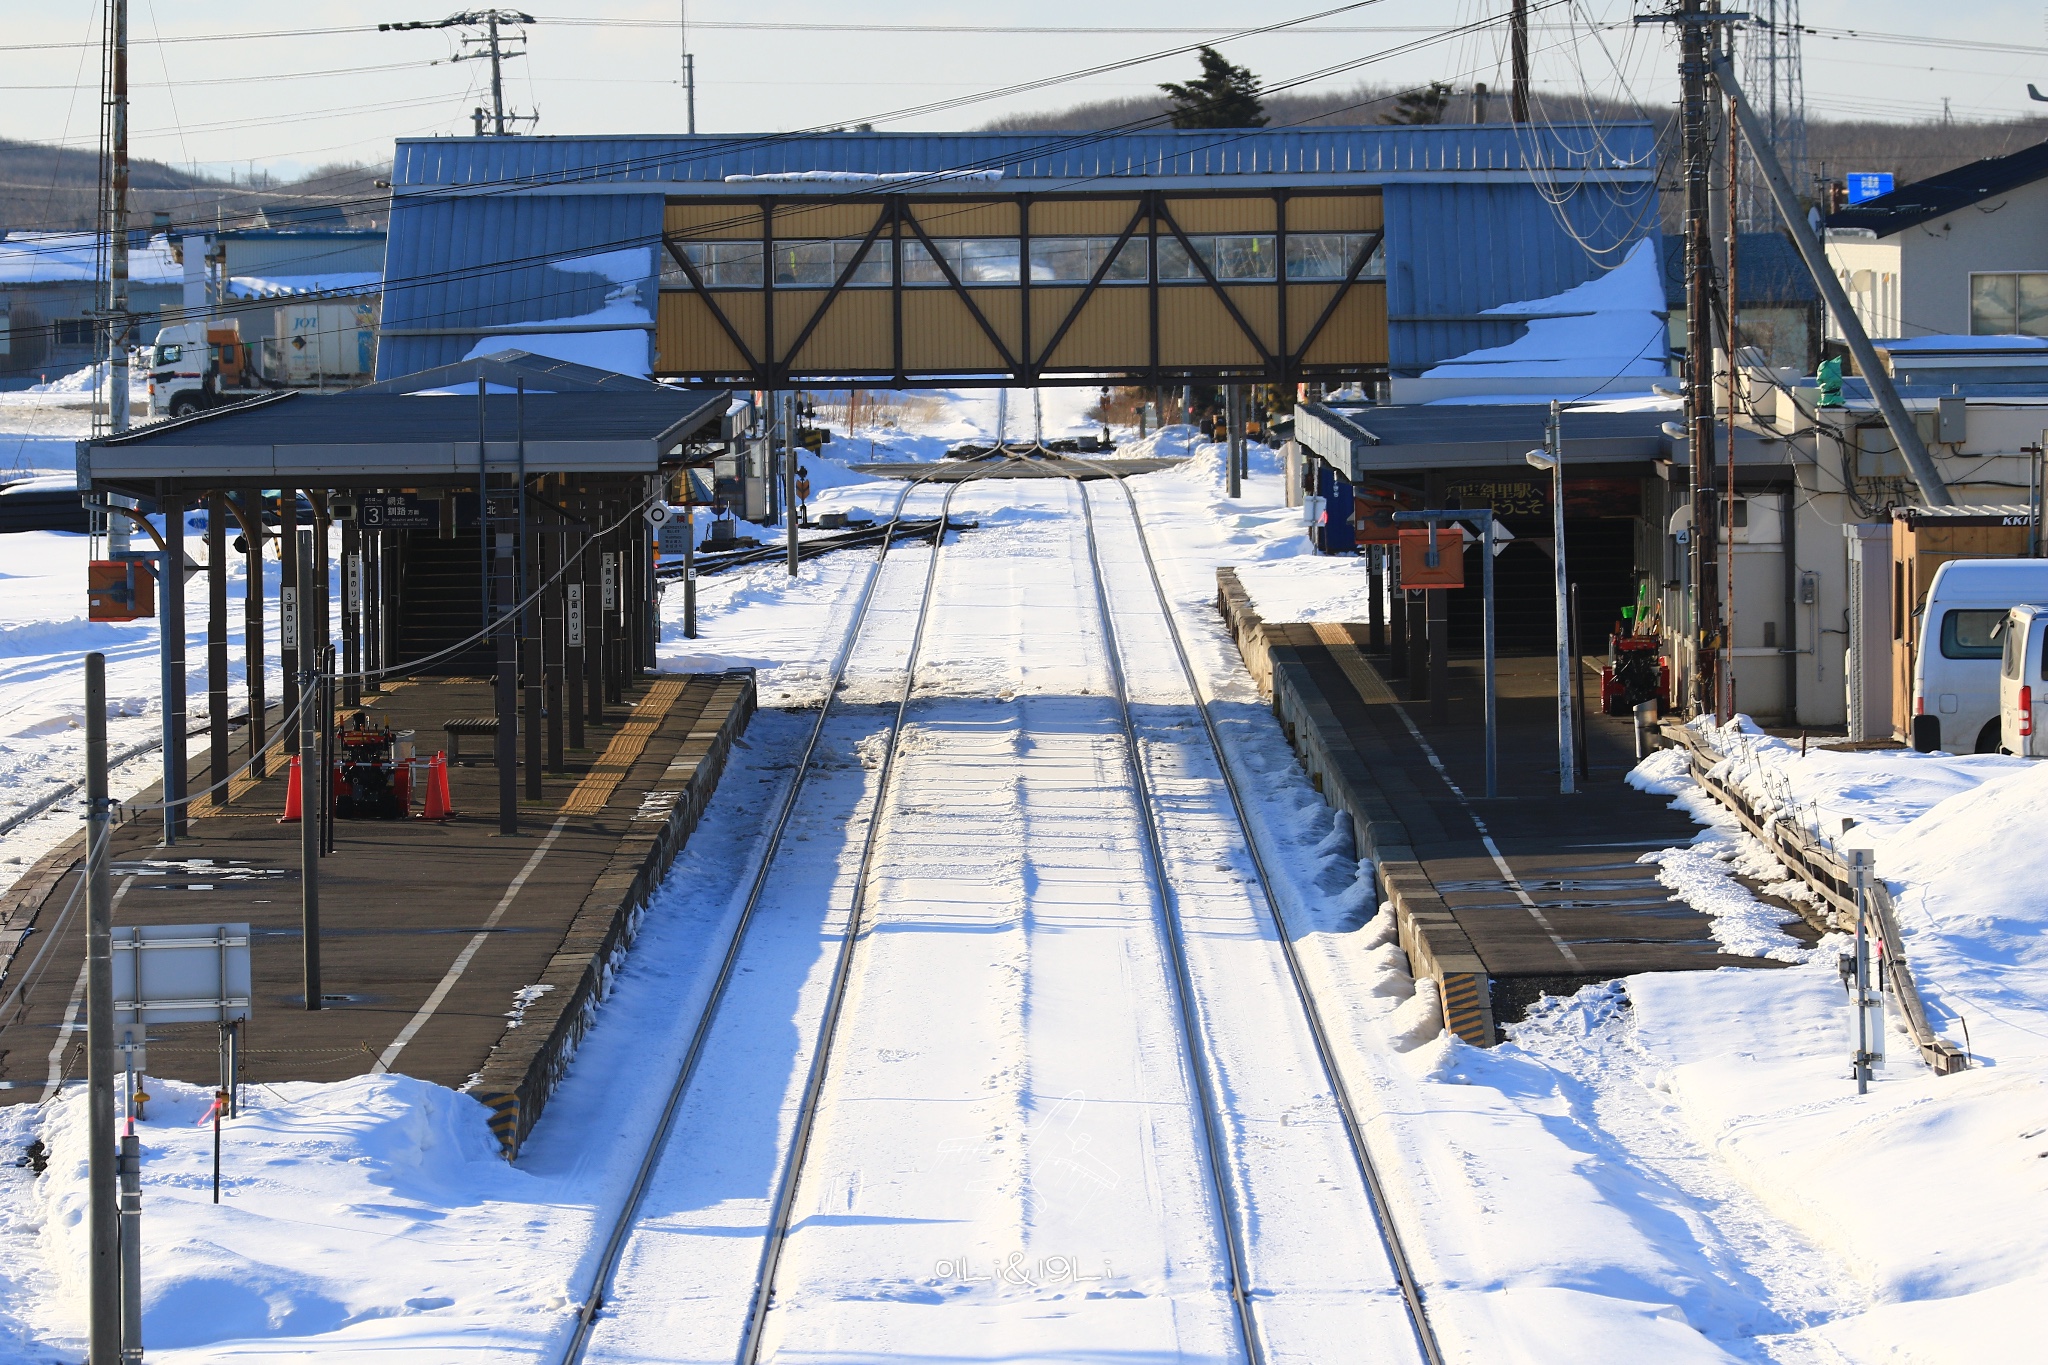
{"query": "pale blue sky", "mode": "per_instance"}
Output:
(330, 96)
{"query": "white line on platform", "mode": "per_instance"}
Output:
(461, 963)
(72, 1023)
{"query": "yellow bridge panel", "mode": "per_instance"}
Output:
(1083, 217)
(1356, 335)
(1102, 337)
(1335, 213)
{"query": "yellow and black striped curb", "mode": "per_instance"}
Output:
(1436, 946)
(530, 1059)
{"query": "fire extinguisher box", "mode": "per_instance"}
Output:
(1449, 571)
(119, 590)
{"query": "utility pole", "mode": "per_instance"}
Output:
(103, 1205)
(117, 216)
(1699, 345)
(1699, 34)
(490, 43)
(1518, 49)
(689, 69)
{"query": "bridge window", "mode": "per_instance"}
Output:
(1330, 255)
(975, 260)
(1249, 257)
(798, 265)
(1074, 260)
(724, 265)
(818, 265)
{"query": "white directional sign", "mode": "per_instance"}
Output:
(180, 973)
(572, 615)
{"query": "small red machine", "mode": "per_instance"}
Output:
(372, 772)
(1635, 673)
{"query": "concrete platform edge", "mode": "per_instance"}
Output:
(529, 1061)
(1437, 948)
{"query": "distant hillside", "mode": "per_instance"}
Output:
(57, 187)
(1909, 151)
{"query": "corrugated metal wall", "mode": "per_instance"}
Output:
(484, 261)
(1455, 249)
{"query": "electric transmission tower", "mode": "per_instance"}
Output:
(1771, 75)
(495, 29)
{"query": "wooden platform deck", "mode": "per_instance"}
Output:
(429, 932)
(1504, 900)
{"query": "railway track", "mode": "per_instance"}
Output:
(1411, 1292)
(1219, 1136)
(589, 1311)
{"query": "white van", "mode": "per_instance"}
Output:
(1956, 679)
(2023, 683)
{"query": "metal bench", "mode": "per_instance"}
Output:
(467, 725)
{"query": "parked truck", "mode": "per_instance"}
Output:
(204, 363)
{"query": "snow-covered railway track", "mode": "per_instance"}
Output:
(620, 1228)
(1233, 1017)
(1020, 1062)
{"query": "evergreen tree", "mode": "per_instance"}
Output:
(1225, 97)
(1421, 106)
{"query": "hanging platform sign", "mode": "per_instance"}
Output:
(397, 512)
(1447, 572)
(572, 615)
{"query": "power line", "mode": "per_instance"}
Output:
(626, 165)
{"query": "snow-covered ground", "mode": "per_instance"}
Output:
(44, 634)
(1669, 1168)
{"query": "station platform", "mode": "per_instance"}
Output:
(434, 935)
(1500, 901)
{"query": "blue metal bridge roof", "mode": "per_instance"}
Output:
(1367, 153)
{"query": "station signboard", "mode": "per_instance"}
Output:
(397, 512)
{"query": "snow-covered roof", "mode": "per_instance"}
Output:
(284, 286)
(1612, 326)
(71, 257)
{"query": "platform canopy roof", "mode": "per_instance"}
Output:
(1361, 441)
(378, 440)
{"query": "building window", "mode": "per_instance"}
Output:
(818, 265)
(73, 331)
(2005, 304)
(1074, 260)
(1248, 257)
(975, 260)
(1330, 255)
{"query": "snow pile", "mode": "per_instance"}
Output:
(1931, 1192)
(83, 380)
(317, 1182)
(1606, 336)
(1877, 789)
(617, 336)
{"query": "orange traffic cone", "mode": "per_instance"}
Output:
(438, 805)
(291, 795)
